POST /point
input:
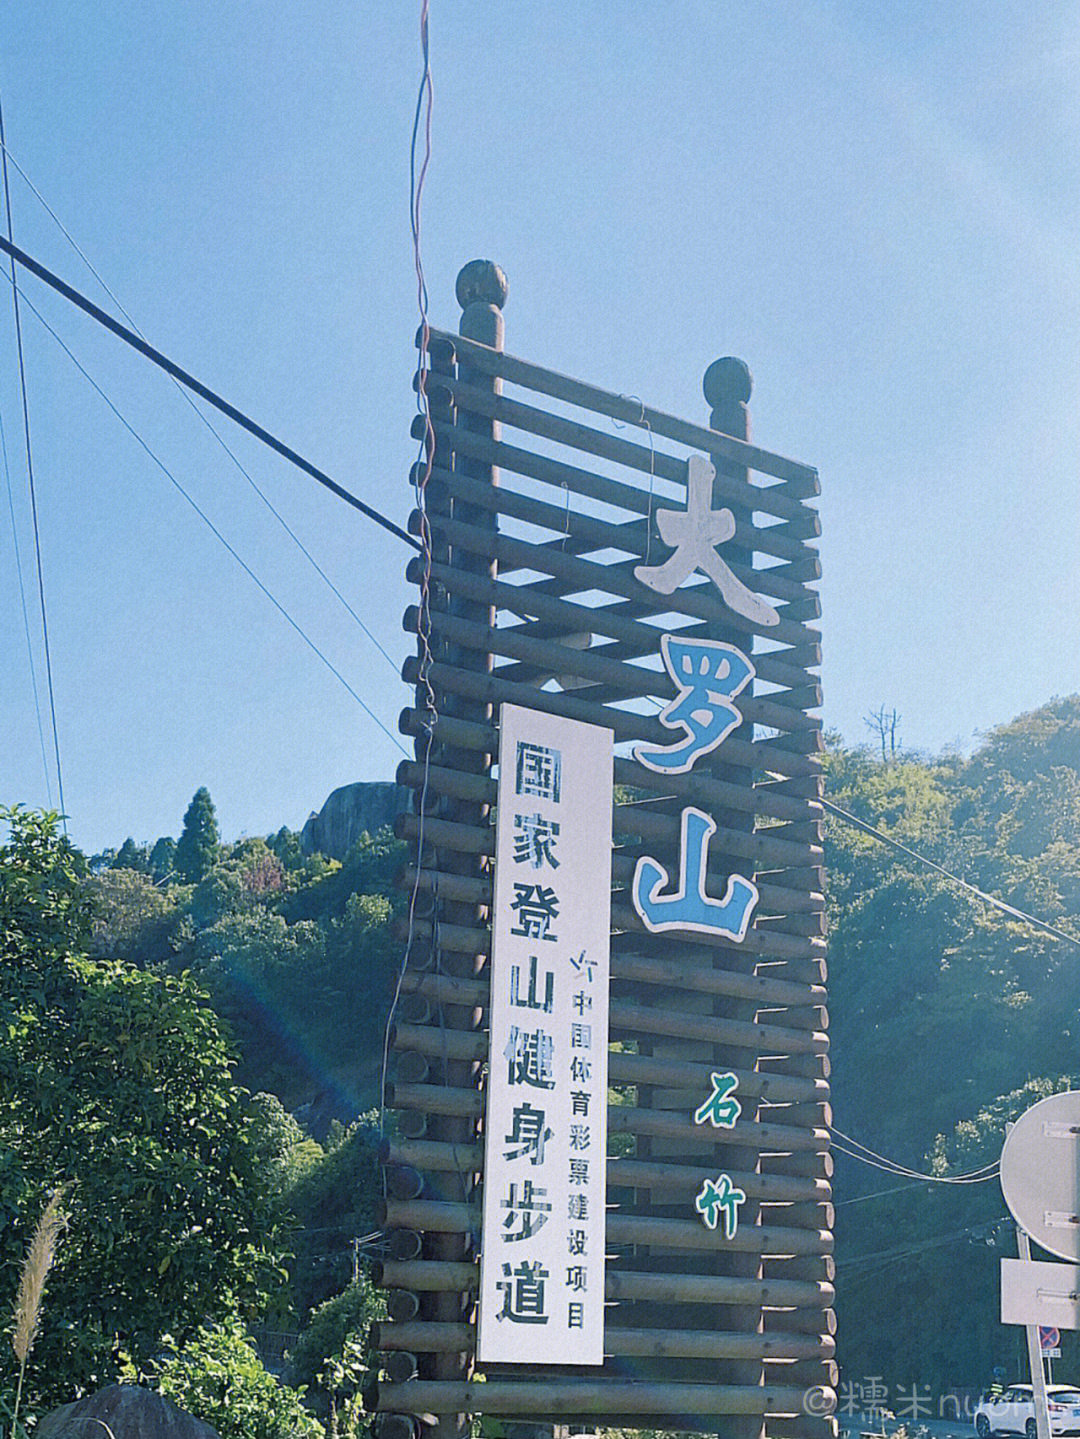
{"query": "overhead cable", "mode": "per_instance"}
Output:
(204, 418)
(990, 899)
(421, 477)
(879, 1193)
(204, 392)
(860, 1152)
(33, 488)
(25, 613)
(214, 530)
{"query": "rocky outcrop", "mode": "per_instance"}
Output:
(126, 1412)
(351, 811)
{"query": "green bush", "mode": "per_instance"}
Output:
(219, 1377)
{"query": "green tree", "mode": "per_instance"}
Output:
(162, 860)
(197, 847)
(117, 1083)
(132, 918)
(131, 856)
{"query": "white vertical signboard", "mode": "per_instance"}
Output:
(542, 1257)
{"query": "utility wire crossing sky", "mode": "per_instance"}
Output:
(874, 210)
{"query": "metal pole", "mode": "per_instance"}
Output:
(1035, 1361)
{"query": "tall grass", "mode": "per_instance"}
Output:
(36, 1266)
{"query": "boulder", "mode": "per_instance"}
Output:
(349, 812)
(124, 1411)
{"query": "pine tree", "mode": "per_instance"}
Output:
(197, 847)
(163, 858)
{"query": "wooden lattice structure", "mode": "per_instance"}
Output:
(541, 499)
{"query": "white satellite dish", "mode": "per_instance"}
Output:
(1040, 1173)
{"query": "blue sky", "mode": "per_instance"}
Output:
(876, 207)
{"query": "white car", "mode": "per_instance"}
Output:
(1014, 1411)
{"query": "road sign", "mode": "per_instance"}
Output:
(1040, 1173)
(1036, 1291)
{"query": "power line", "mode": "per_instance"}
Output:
(33, 491)
(422, 475)
(891, 1166)
(25, 613)
(195, 408)
(204, 392)
(990, 899)
(215, 531)
(879, 1193)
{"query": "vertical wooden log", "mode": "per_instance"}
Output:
(481, 292)
(727, 385)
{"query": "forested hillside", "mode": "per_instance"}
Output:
(948, 1019)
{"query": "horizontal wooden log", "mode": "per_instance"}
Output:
(447, 1338)
(809, 971)
(799, 1266)
(479, 890)
(622, 621)
(802, 1426)
(626, 680)
(798, 646)
(623, 1068)
(456, 837)
(405, 1244)
(580, 575)
(433, 1276)
(810, 1165)
(476, 942)
(761, 848)
(800, 690)
(624, 1229)
(577, 1397)
(432, 1155)
(765, 942)
(778, 542)
(806, 1320)
(401, 1366)
(798, 477)
(628, 1119)
(402, 1304)
(813, 1216)
(647, 1020)
(808, 1373)
(481, 839)
(424, 1337)
(679, 1181)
